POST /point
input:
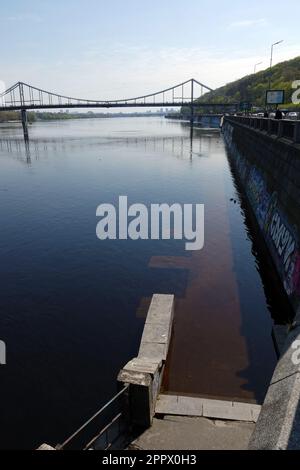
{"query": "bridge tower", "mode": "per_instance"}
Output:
(24, 123)
(192, 103)
(23, 113)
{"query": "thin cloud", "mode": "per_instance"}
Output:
(248, 23)
(25, 17)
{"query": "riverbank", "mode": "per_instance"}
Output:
(14, 116)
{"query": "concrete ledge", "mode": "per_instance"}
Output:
(198, 407)
(144, 373)
(157, 331)
(278, 426)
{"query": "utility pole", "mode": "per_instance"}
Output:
(256, 65)
(271, 61)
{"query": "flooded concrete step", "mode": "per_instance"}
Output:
(218, 409)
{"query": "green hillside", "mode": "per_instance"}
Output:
(253, 87)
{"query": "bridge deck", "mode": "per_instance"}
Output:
(116, 105)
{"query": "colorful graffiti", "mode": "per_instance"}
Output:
(258, 195)
(285, 244)
(281, 236)
(228, 133)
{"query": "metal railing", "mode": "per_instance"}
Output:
(108, 427)
(283, 128)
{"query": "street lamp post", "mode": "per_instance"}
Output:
(271, 61)
(256, 65)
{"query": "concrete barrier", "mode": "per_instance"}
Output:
(144, 373)
(278, 425)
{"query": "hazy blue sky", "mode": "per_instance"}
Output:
(109, 49)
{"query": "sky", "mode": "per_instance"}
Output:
(102, 49)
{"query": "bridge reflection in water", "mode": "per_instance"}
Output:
(182, 147)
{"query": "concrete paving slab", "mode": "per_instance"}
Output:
(167, 404)
(196, 406)
(179, 405)
(161, 309)
(155, 333)
(191, 406)
(183, 433)
(153, 351)
(227, 410)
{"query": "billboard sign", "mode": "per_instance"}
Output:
(275, 96)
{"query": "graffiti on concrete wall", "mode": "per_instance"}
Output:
(284, 238)
(280, 234)
(258, 195)
(228, 133)
(243, 167)
(241, 162)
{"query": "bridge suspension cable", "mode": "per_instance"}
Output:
(25, 96)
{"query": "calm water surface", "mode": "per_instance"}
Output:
(73, 307)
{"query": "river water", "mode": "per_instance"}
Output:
(73, 307)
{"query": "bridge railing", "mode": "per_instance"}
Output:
(284, 128)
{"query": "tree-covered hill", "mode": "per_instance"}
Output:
(253, 87)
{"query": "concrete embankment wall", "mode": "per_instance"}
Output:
(269, 170)
(210, 121)
(268, 165)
